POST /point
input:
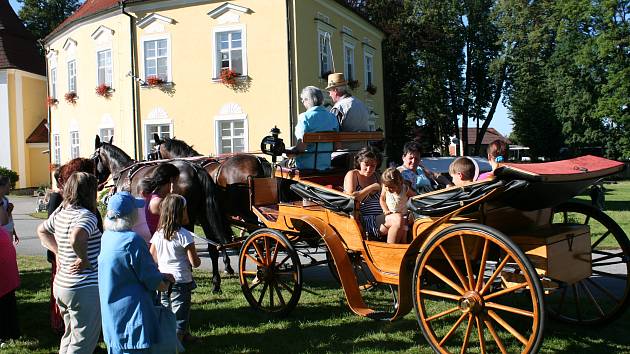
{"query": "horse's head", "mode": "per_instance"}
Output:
(101, 160)
(156, 154)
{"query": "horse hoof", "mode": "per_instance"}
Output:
(229, 271)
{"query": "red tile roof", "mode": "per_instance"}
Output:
(490, 136)
(39, 134)
(89, 8)
(18, 47)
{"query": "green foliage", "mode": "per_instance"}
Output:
(13, 176)
(42, 16)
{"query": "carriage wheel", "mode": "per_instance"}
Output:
(605, 295)
(270, 272)
(473, 287)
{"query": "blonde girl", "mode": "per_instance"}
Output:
(393, 200)
(173, 249)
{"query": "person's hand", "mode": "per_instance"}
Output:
(79, 265)
(10, 208)
(168, 277)
(16, 239)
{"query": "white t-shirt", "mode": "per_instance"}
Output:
(172, 255)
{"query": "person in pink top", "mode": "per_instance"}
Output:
(9, 281)
(497, 154)
(160, 184)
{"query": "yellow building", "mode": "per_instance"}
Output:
(163, 62)
(23, 132)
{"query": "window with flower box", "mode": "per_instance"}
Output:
(56, 138)
(230, 50)
(368, 64)
(104, 67)
(348, 61)
(72, 76)
(325, 54)
(156, 59)
(74, 145)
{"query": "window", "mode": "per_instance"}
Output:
(72, 76)
(56, 149)
(348, 61)
(231, 136)
(53, 83)
(74, 145)
(104, 67)
(106, 134)
(230, 51)
(325, 54)
(156, 59)
(163, 130)
(369, 69)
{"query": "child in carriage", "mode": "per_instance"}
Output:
(463, 171)
(173, 249)
(394, 196)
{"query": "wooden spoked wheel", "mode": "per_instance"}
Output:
(605, 295)
(270, 272)
(474, 289)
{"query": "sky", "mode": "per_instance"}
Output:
(500, 122)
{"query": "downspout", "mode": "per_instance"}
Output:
(290, 63)
(134, 92)
(50, 160)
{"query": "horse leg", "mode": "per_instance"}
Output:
(216, 275)
(226, 262)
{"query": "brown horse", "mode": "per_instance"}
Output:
(229, 173)
(193, 183)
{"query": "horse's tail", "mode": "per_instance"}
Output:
(213, 214)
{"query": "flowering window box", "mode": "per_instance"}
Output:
(51, 101)
(71, 97)
(371, 89)
(104, 90)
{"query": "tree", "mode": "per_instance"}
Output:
(42, 16)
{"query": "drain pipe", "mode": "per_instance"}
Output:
(290, 61)
(134, 88)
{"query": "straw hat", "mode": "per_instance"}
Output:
(336, 80)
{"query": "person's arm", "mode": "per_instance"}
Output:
(154, 205)
(16, 239)
(4, 215)
(193, 257)
(47, 238)
(153, 252)
(79, 243)
(411, 192)
(383, 202)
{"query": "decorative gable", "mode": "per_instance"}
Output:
(69, 45)
(102, 33)
(155, 18)
(229, 13)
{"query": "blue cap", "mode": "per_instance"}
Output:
(123, 203)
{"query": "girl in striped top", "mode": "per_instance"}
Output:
(363, 184)
(71, 233)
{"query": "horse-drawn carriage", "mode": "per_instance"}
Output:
(486, 262)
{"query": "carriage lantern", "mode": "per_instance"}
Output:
(272, 144)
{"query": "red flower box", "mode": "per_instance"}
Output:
(51, 101)
(154, 80)
(104, 90)
(229, 77)
(353, 84)
(71, 97)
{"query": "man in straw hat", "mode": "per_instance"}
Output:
(351, 113)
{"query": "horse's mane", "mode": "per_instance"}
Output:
(179, 148)
(116, 153)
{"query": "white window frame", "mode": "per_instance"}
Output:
(105, 133)
(75, 149)
(110, 67)
(215, 48)
(56, 139)
(349, 75)
(231, 118)
(367, 55)
(72, 76)
(53, 82)
(169, 59)
(148, 137)
(325, 34)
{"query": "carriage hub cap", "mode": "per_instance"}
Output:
(471, 302)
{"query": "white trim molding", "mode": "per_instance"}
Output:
(157, 116)
(225, 7)
(69, 44)
(5, 133)
(102, 30)
(215, 47)
(230, 112)
(149, 19)
(155, 37)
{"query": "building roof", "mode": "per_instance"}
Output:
(490, 136)
(39, 134)
(18, 47)
(91, 8)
